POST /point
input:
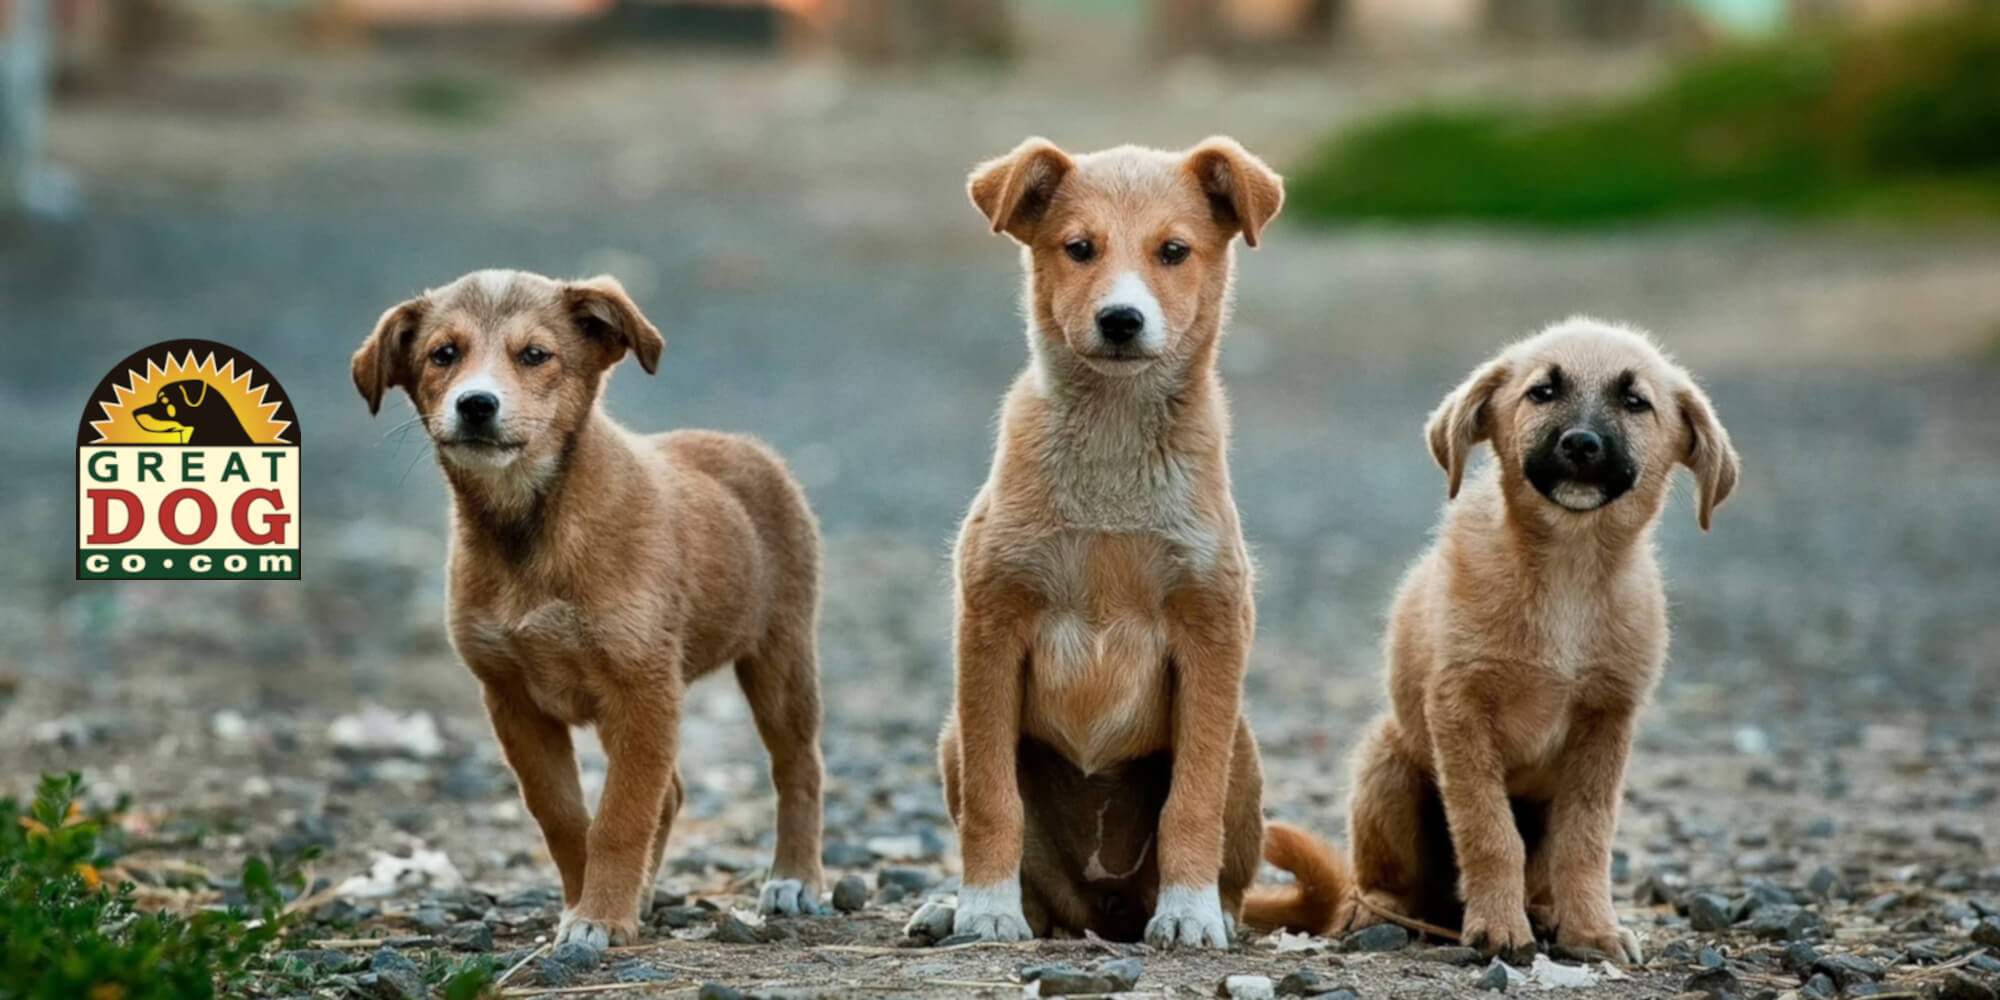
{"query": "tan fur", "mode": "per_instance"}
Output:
(596, 572)
(1097, 749)
(1520, 648)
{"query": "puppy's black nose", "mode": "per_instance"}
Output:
(1119, 324)
(478, 407)
(1581, 446)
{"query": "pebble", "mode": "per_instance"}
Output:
(730, 930)
(1957, 985)
(1764, 862)
(717, 991)
(1708, 958)
(1301, 983)
(839, 854)
(1789, 922)
(1246, 988)
(575, 956)
(639, 972)
(396, 977)
(1708, 912)
(677, 917)
(1495, 978)
(1826, 884)
(1381, 937)
(469, 935)
(1819, 986)
(1116, 976)
(850, 894)
(1712, 982)
(1846, 970)
(1800, 956)
(1987, 932)
(910, 880)
(1451, 955)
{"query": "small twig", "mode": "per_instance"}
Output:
(1409, 923)
(554, 991)
(399, 942)
(518, 966)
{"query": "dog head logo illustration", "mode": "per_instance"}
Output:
(188, 469)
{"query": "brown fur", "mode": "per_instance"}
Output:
(1520, 648)
(596, 572)
(1097, 750)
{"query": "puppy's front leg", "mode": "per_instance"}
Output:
(991, 651)
(1209, 638)
(538, 749)
(1583, 818)
(640, 730)
(1472, 782)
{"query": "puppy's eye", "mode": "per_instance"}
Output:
(1545, 393)
(444, 355)
(1173, 252)
(1635, 403)
(532, 356)
(1080, 251)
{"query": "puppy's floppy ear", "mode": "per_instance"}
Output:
(383, 362)
(1242, 190)
(1014, 191)
(1709, 453)
(1460, 422)
(605, 313)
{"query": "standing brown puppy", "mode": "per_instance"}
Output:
(1097, 762)
(594, 572)
(1520, 648)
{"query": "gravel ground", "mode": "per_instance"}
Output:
(1819, 774)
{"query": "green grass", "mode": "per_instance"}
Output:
(1904, 123)
(68, 933)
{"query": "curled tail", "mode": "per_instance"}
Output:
(1322, 892)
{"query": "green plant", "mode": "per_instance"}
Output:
(1900, 122)
(71, 936)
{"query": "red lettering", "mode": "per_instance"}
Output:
(172, 529)
(274, 524)
(100, 517)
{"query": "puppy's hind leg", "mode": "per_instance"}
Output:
(782, 684)
(1388, 830)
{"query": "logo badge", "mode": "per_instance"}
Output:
(187, 468)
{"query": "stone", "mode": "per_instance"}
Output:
(678, 917)
(1116, 976)
(1713, 983)
(1301, 983)
(576, 956)
(1987, 932)
(1246, 988)
(1451, 955)
(717, 991)
(1789, 922)
(850, 894)
(1708, 958)
(1819, 986)
(1495, 978)
(1799, 956)
(730, 930)
(469, 935)
(1846, 970)
(1708, 912)
(639, 972)
(1879, 905)
(396, 977)
(1825, 884)
(1381, 937)
(911, 880)
(1956, 985)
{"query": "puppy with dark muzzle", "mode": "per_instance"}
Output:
(1520, 649)
(595, 572)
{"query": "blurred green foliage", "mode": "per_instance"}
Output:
(1901, 122)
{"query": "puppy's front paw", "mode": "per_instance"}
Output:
(1612, 944)
(788, 897)
(594, 932)
(1188, 917)
(1498, 930)
(991, 912)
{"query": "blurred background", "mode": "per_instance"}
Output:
(1800, 197)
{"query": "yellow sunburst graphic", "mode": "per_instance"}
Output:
(181, 404)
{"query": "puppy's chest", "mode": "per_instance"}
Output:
(554, 649)
(1097, 685)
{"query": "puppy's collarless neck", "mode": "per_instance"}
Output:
(516, 525)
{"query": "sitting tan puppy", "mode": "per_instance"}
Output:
(594, 572)
(1097, 763)
(1520, 648)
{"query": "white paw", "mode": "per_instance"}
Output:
(787, 897)
(1188, 917)
(991, 912)
(572, 929)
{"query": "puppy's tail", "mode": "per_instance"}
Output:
(1323, 887)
